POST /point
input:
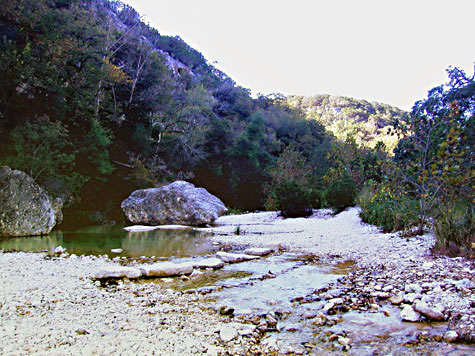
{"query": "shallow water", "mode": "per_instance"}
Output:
(99, 240)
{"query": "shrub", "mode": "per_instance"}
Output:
(381, 208)
(292, 199)
(341, 193)
(454, 228)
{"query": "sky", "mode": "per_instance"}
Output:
(389, 51)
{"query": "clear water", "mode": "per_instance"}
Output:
(99, 240)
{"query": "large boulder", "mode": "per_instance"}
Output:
(177, 203)
(25, 208)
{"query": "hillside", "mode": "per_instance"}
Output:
(367, 123)
(94, 103)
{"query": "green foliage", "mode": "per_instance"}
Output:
(430, 180)
(43, 150)
(292, 199)
(341, 193)
(292, 189)
(455, 228)
(380, 207)
(142, 109)
(348, 118)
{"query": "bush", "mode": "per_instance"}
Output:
(292, 199)
(341, 193)
(381, 208)
(454, 228)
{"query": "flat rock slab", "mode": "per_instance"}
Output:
(259, 251)
(140, 228)
(235, 257)
(213, 262)
(107, 272)
(167, 269)
(174, 227)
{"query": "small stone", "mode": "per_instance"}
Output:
(344, 341)
(59, 250)
(388, 288)
(411, 297)
(82, 331)
(336, 301)
(225, 310)
(318, 321)
(465, 283)
(413, 288)
(381, 295)
(396, 299)
(228, 333)
(117, 250)
(328, 306)
(450, 336)
(427, 265)
(271, 321)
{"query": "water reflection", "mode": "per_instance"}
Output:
(100, 240)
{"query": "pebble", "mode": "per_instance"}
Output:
(451, 336)
(228, 333)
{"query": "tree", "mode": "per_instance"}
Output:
(43, 150)
(435, 158)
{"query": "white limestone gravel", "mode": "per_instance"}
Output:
(52, 307)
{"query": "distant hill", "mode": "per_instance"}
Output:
(346, 117)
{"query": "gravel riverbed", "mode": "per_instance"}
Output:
(52, 306)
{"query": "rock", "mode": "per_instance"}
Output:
(225, 310)
(213, 263)
(247, 329)
(328, 306)
(344, 341)
(450, 336)
(25, 208)
(465, 283)
(396, 299)
(411, 297)
(259, 251)
(118, 272)
(167, 269)
(117, 250)
(177, 203)
(228, 333)
(413, 288)
(430, 313)
(409, 314)
(319, 321)
(140, 228)
(234, 257)
(59, 250)
(336, 301)
(381, 295)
